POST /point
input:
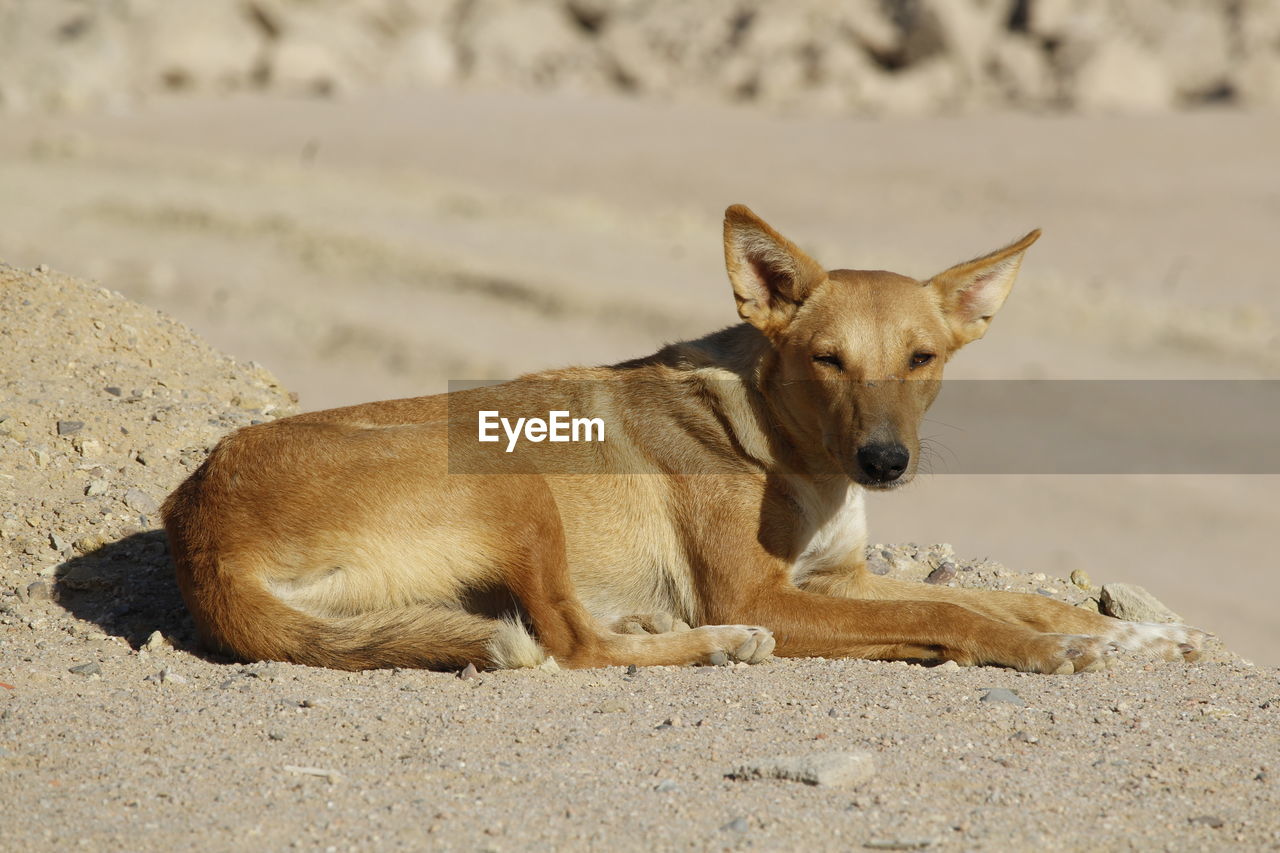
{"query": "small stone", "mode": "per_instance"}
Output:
(899, 843)
(113, 390)
(613, 706)
(311, 703)
(835, 769)
(57, 542)
(1210, 820)
(945, 573)
(41, 456)
(948, 666)
(274, 735)
(672, 722)
(91, 668)
(1025, 737)
(632, 669)
(666, 786)
(70, 427)
(42, 268)
(1133, 603)
(1080, 578)
(141, 502)
(468, 672)
(166, 676)
(738, 824)
(87, 447)
(156, 642)
(96, 487)
(1001, 694)
(85, 544)
(878, 562)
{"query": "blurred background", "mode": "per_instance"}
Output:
(372, 197)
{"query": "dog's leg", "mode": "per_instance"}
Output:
(1169, 641)
(538, 574)
(806, 624)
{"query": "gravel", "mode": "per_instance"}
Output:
(224, 755)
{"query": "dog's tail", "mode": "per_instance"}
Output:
(239, 616)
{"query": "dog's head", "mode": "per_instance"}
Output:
(858, 355)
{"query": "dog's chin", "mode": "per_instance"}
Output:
(857, 475)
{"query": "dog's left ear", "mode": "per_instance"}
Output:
(973, 292)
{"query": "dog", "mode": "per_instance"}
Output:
(723, 490)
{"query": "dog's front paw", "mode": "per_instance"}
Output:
(1063, 654)
(746, 643)
(649, 623)
(1169, 641)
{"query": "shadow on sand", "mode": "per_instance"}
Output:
(127, 588)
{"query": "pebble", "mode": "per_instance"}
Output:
(1210, 820)
(945, 573)
(95, 488)
(900, 843)
(613, 706)
(1133, 603)
(155, 642)
(1001, 694)
(738, 824)
(39, 591)
(139, 501)
(833, 769)
(91, 668)
(1081, 579)
(666, 786)
(166, 676)
(70, 427)
(468, 672)
(57, 542)
(948, 666)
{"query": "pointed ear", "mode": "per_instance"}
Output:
(771, 276)
(973, 292)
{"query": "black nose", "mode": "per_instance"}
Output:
(883, 462)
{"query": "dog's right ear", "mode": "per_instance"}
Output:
(771, 276)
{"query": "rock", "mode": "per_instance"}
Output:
(166, 676)
(832, 769)
(156, 642)
(1209, 820)
(95, 487)
(948, 666)
(70, 427)
(91, 668)
(666, 786)
(612, 706)
(1002, 695)
(738, 824)
(1134, 604)
(39, 591)
(140, 502)
(468, 672)
(878, 562)
(945, 573)
(1121, 76)
(1080, 578)
(899, 843)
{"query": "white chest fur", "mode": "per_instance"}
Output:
(832, 530)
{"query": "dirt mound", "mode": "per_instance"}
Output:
(875, 56)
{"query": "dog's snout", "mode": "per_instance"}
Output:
(885, 462)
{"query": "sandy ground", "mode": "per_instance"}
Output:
(382, 246)
(364, 264)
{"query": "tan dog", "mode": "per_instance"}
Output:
(727, 493)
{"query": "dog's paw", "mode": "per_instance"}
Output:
(746, 643)
(649, 623)
(1169, 641)
(1063, 654)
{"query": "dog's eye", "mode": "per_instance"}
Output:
(830, 360)
(920, 359)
